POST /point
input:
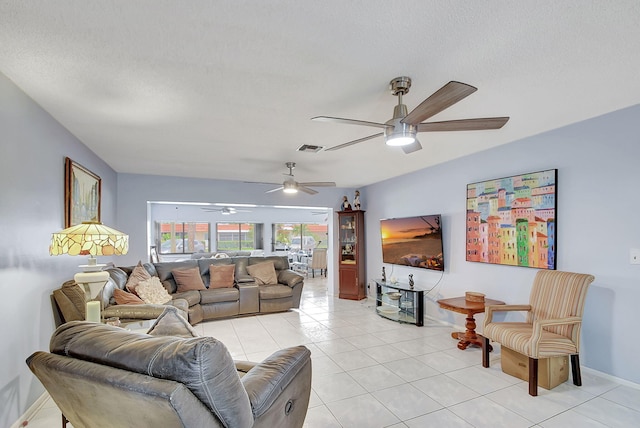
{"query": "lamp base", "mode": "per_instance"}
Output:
(92, 281)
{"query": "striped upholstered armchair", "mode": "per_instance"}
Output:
(552, 326)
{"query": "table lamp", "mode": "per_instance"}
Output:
(90, 239)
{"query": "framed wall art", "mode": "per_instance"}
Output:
(82, 194)
(512, 220)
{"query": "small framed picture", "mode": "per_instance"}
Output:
(82, 194)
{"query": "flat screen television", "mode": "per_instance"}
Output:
(413, 241)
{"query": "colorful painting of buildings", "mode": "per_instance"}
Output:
(511, 220)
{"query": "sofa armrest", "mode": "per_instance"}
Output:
(144, 311)
(243, 367)
(243, 279)
(289, 277)
(268, 380)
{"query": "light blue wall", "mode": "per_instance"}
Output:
(598, 206)
(32, 151)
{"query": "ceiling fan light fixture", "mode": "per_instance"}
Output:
(290, 187)
(400, 141)
(402, 134)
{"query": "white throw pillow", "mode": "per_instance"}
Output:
(152, 291)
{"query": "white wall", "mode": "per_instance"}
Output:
(597, 224)
(32, 151)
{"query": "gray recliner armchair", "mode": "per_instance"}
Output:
(104, 376)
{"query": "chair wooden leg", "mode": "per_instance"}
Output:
(575, 370)
(533, 376)
(485, 352)
(64, 421)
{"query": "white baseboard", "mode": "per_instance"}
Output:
(31, 411)
(610, 377)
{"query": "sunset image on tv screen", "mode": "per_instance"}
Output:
(413, 241)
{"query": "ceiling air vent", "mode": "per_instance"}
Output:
(309, 148)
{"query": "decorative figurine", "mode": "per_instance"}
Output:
(346, 206)
(356, 201)
(411, 283)
(384, 275)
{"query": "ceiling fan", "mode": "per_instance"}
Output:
(402, 128)
(225, 210)
(290, 185)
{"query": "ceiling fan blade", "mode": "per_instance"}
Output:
(349, 121)
(413, 147)
(443, 98)
(306, 189)
(350, 143)
(262, 182)
(275, 190)
(464, 124)
(318, 184)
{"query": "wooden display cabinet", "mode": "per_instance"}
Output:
(351, 255)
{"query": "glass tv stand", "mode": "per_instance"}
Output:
(399, 302)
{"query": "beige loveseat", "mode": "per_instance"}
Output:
(102, 376)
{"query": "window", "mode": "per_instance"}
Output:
(239, 236)
(180, 238)
(299, 236)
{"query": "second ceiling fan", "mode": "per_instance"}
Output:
(225, 210)
(290, 185)
(402, 128)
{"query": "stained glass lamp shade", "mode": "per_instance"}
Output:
(90, 239)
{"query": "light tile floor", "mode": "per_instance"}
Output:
(371, 372)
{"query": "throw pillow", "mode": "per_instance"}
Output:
(151, 291)
(188, 279)
(263, 273)
(124, 298)
(71, 300)
(171, 323)
(220, 256)
(221, 276)
(138, 274)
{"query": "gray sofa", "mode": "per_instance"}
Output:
(245, 298)
(104, 376)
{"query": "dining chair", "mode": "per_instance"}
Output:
(318, 261)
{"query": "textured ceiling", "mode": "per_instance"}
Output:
(226, 89)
